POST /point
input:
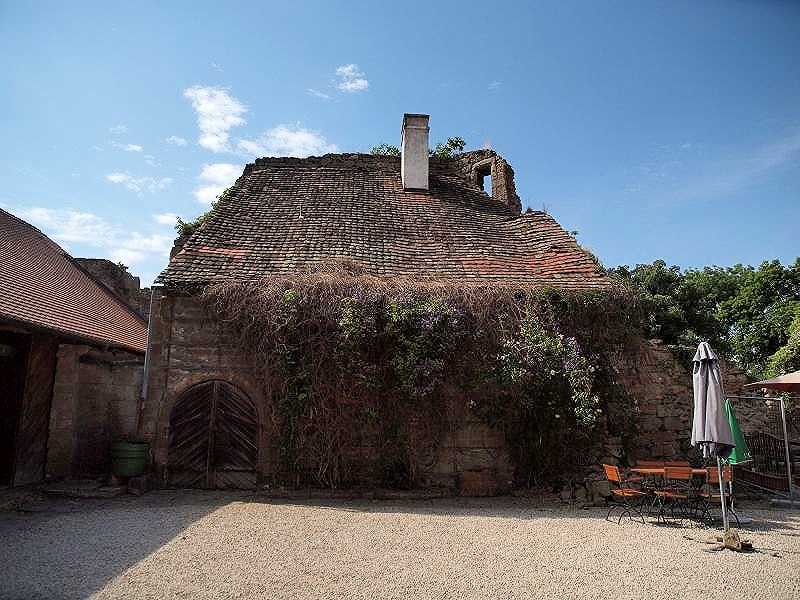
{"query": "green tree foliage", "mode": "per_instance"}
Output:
(746, 313)
(385, 150)
(189, 227)
(787, 358)
(447, 149)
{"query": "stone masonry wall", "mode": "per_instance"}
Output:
(478, 164)
(121, 283)
(662, 391)
(95, 402)
(189, 346)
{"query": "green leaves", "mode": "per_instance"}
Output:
(352, 361)
(447, 149)
(742, 311)
(554, 377)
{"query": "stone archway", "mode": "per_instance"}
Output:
(213, 438)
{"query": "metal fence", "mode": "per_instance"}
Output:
(771, 427)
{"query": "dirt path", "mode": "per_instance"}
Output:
(225, 545)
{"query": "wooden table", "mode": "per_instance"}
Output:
(660, 471)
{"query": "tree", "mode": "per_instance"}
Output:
(447, 149)
(762, 312)
(185, 228)
(385, 150)
(787, 358)
(657, 288)
(746, 313)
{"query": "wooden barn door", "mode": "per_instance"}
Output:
(213, 438)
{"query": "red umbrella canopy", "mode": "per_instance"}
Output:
(784, 383)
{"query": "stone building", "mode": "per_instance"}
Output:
(208, 414)
(71, 361)
(213, 421)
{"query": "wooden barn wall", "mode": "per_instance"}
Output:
(31, 446)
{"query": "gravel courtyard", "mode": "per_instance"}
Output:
(192, 544)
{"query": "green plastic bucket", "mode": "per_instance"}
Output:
(129, 459)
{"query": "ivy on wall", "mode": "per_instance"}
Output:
(354, 361)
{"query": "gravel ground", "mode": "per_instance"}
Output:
(192, 544)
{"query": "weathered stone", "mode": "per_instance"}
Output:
(138, 485)
(477, 483)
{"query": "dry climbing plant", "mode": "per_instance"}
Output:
(360, 366)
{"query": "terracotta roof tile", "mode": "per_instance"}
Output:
(41, 286)
(289, 213)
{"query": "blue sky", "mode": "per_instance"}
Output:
(655, 129)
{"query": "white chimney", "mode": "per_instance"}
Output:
(414, 152)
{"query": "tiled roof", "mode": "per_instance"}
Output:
(287, 214)
(40, 286)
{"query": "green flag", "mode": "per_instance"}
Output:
(741, 453)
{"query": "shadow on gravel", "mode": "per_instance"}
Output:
(70, 548)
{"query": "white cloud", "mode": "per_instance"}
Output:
(65, 226)
(176, 140)
(495, 85)
(132, 148)
(68, 225)
(126, 256)
(151, 160)
(118, 129)
(351, 79)
(216, 179)
(318, 94)
(712, 177)
(287, 140)
(217, 112)
(139, 184)
(154, 243)
(165, 219)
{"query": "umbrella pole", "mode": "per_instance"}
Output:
(725, 524)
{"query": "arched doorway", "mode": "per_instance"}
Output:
(213, 438)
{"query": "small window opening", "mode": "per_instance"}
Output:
(483, 175)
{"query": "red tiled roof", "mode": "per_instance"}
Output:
(287, 214)
(41, 286)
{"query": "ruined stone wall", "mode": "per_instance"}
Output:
(476, 165)
(95, 402)
(121, 283)
(662, 393)
(190, 346)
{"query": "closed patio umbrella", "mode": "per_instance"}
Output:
(740, 453)
(710, 427)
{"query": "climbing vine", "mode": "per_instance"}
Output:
(358, 364)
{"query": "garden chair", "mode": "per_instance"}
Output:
(709, 495)
(626, 492)
(677, 494)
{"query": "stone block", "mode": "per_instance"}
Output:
(478, 484)
(478, 435)
(138, 485)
